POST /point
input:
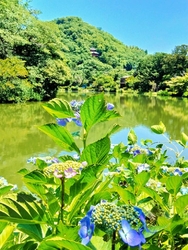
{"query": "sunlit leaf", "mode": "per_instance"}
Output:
(59, 108)
(181, 204)
(97, 152)
(61, 136)
(184, 139)
(132, 138)
(98, 243)
(58, 242)
(173, 184)
(5, 189)
(7, 231)
(159, 129)
(94, 110)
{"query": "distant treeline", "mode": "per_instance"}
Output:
(36, 58)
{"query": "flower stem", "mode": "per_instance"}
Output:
(62, 197)
(114, 240)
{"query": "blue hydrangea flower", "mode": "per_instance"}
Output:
(110, 106)
(87, 227)
(142, 218)
(131, 236)
(184, 190)
(136, 152)
(62, 122)
(177, 172)
(129, 221)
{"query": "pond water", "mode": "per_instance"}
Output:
(20, 139)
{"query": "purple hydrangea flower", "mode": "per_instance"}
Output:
(131, 236)
(57, 175)
(69, 173)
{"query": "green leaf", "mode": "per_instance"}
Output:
(132, 138)
(35, 177)
(21, 208)
(34, 231)
(159, 129)
(184, 139)
(114, 129)
(156, 197)
(7, 231)
(97, 242)
(94, 111)
(185, 247)
(5, 189)
(173, 184)
(141, 179)
(58, 242)
(181, 204)
(97, 152)
(125, 195)
(61, 136)
(59, 108)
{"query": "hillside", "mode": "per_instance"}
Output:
(36, 57)
(113, 56)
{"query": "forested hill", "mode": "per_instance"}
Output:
(37, 57)
(110, 56)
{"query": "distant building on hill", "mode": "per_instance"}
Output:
(94, 52)
(123, 81)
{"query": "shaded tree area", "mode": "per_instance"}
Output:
(166, 73)
(31, 60)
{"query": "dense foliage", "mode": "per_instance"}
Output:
(37, 58)
(104, 197)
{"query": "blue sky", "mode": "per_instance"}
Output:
(152, 25)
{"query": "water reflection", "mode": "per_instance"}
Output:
(20, 139)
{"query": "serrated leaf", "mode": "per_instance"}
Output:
(94, 111)
(125, 195)
(61, 136)
(97, 152)
(181, 203)
(132, 138)
(21, 208)
(159, 129)
(173, 184)
(59, 108)
(34, 231)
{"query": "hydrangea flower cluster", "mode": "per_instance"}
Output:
(47, 159)
(67, 169)
(137, 150)
(127, 220)
(76, 106)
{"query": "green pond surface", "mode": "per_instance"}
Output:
(20, 138)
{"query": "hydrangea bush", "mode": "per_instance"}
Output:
(99, 195)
